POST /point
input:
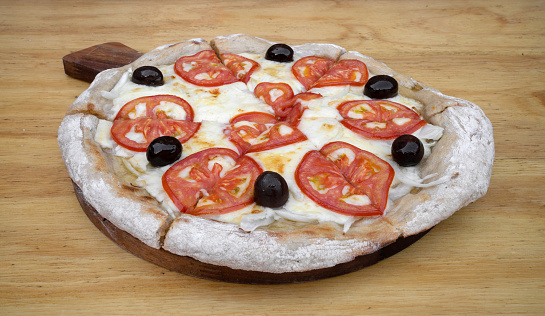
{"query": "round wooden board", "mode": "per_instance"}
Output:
(192, 267)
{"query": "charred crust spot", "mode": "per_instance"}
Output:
(147, 198)
(416, 87)
(130, 188)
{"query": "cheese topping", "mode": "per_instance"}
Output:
(342, 153)
(376, 125)
(357, 111)
(401, 120)
(274, 72)
(359, 200)
(135, 136)
(214, 108)
(226, 163)
(189, 66)
(139, 110)
(275, 94)
(242, 186)
(171, 110)
(284, 130)
(185, 174)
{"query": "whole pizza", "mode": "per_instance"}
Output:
(267, 157)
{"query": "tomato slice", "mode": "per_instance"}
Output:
(311, 68)
(278, 95)
(379, 119)
(142, 120)
(256, 131)
(185, 181)
(280, 134)
(294, 116)
(248, 126)
(233, 191)
(345, 179)
(204, 69)
(241, 67)
(345, 72)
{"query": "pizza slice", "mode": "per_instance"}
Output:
(124, 115)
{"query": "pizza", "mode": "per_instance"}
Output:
(261, 156)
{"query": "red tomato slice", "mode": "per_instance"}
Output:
(367, 172)
(250, 126)
(241, 67)
(255, 131)
(345, 179)
(147, 116)
(294, 116)
(204, 69)
(379, 119)
(233, 191)
(278, 95)
(311, 68)
(185, 181)
(281, 134)
(345, 72)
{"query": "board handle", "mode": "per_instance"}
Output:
(87, 63)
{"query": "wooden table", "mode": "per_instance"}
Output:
(486, 259)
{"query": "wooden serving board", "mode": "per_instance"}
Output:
(85, 65)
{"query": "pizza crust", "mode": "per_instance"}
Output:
(243, 43)
(122, 204)
(465, 153)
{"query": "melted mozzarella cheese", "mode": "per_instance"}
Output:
(152, 182)
(218, 104)
(139, 110)
(401, 120)
(284, 160)
(359, 200)
(226, 164)
(209, 135)
(171, 110)
(320, 131)
(342, 152)
(135, 136)
(275, 94)
(274, 72)
(103, 136)
(215, 106)
(185, 174)
(284, 130)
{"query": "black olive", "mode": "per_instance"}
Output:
(148, 76)
(164, 150)
(381, 87)
(280, 53)
(271, 190)
(407, 150)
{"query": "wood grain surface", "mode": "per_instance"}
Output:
(488, 258)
